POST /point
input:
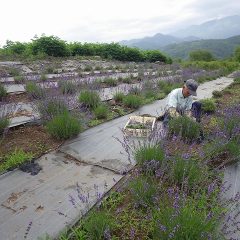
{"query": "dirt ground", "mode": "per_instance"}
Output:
(32, 139)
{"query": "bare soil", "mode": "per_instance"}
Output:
(32, 139)
(15, 98)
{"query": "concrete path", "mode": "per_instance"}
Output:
(69, 185)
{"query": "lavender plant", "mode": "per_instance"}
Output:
(19, 79)
(4, 123)
(3, 92)
(132, 101)
(186, 128)
(178, 217)
(111, 82)
(67, 87)
(35, 91)
(208, 106)
(143, 191)
(148, 153)
(118, 96)
(63, 126)
(98, 225)
(187, 172)
(101, 111)
(217, 94)
(225, 138)
(51, 107)
(6, 112)
(90, 98)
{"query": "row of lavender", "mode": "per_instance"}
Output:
(177, 190)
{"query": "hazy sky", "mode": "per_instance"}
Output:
(105, 20)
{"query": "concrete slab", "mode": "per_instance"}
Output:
(52, 199)
(232, 185)
(15, 88)
(9, 63)
(21, 113)
(205, 90)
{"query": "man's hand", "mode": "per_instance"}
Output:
(173, 112)
(188, 113)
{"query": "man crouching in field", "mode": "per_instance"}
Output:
(180, 102)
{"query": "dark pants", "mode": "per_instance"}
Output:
(196, 112)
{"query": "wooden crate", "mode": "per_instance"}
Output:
(149, 122)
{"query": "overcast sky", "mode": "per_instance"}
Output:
(105, 20)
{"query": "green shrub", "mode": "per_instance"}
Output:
(19, 79)
(98, 68)
(110, 81)
(43, 78)
(187, 171)
(143, 191)
(236, 80)
(208, 106)
(147, 153)
(35, 91)
(201, 55)
(167, 87)
(237, 53)
(3, 92)
(4, 123)
(186, 128)
(97, 223)
(49, 45)
(15, 159)
(88, 68)
(217, 94)
(50, 70)
(118, 96)
(178, 219)
(67, 87)
(51, 107)
(101, 111)
(127, 80)
(132, 101)
(63, 126)
(14, 72)
(227, 91)
(135, 91)
(89, 98)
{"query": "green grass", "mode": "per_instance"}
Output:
(15, 159)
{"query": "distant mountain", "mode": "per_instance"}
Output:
(155, 42)
(220, 48)
(215, 29)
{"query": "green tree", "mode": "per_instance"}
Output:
(237, 54)
(201, 55)
(50, 45)
(14, 47)
(155, 55)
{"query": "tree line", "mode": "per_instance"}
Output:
(56, 47)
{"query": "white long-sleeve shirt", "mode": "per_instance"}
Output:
(176, 100)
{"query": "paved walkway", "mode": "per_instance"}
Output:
(67, 187)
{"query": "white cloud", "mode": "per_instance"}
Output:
(105, 20)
